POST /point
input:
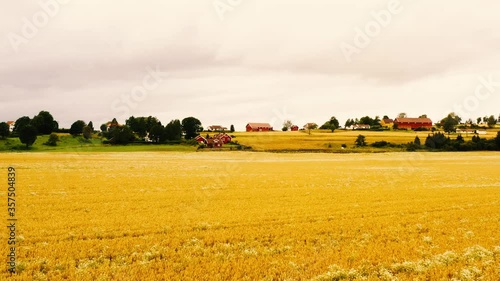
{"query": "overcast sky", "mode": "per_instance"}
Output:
(233, 62)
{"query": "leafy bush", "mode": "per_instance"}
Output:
(53, 139)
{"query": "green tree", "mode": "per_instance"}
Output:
(367, 120)
(402, 115)
(21, 123)
(104, 128)
(28, 135)
(497, 141)
(44, 123)
(77, 128)
(450, 122)
(232, 128)
(113, 125)
(173, 130)
(157, 133)
(191, 126)
(360, 141)
(492, 121)
(91, 126)
(332, 124)
(423, 116)
(349, 123)
(429, 142)
(121, 135)
(87, 132)
(478, 120)
(417, 141)
(4, 130)
(53, 139)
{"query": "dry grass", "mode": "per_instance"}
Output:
(325, 140)
(257, 216)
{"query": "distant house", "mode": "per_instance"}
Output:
(469, 131)
(214, 143)
(224, 138)
(387, 123)
(11, 125)
(259, 127)
(359, 127)
(216, 128)
(294, 128)
(201, 140)
(413, 123)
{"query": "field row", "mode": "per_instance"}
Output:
(257, 216)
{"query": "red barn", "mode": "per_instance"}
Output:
(294, 128)
(201, 140)
(259, 127)
(413, 123)
(224, 138)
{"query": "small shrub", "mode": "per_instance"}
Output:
(53, 139)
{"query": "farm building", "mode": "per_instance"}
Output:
(476, 132)
(359, 127)
(386, 123)
(413, 123)
(294, 128)
(258, 127)
(216, 128)
(224, 138)
(11, 125)
(201, 139)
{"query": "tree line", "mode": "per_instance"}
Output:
(135, 128)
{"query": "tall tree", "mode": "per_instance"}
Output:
(104, 128)
(492, 121)
(121, 135)
(77, 127)
(173, 130)
(331, 124)
(28, 135)
(402, 115)
(4, 130)
(287, 125)
(450, 122)
(43, 122)
(232, 127)
(157, 133)
(87, 132)
(91, 126)
(191, 126)
(21, 123)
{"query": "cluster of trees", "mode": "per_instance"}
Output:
(441, 142)
(27, 129)
(366, 120)
(332, 124)
(142, 127)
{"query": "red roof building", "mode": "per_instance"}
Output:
(294, 128)
(259, 127)
(413, 123)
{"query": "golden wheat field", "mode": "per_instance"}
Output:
(255, 216)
